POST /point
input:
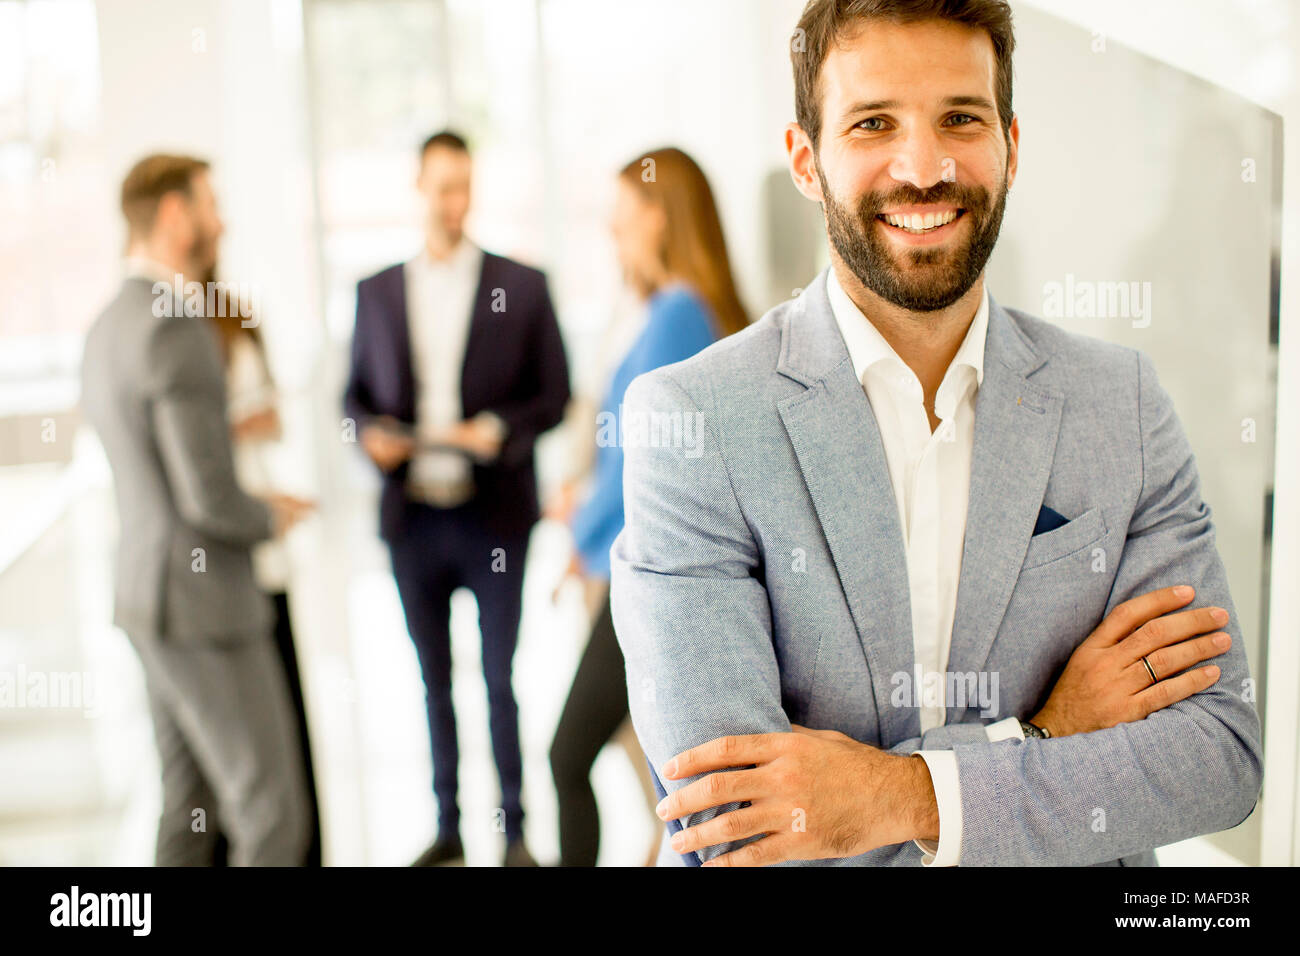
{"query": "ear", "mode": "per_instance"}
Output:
(1013, 150)
(803, 162)
(171, 211)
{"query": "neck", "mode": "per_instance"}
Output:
(926, 341)
(652, 278)
(174, 261)
(439, 245)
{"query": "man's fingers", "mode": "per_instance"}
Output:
(723, 753)
(1169, 661)
(1169, 630)
(1170, 691)
(771, 849)
(734, 786)
(724, 828)
(1133, 613)
(809, 732)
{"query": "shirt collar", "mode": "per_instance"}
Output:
(867, 346)
(142, 267)
(463, 257)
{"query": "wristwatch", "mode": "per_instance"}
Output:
(1034, 731)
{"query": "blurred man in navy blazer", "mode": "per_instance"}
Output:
(457, 367)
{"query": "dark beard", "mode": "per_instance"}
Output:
(935, 278)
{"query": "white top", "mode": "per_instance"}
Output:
(930, 473)
(439, 308)
(250, 391)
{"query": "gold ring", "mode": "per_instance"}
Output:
(1154, 679)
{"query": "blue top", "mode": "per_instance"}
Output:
(680, 324)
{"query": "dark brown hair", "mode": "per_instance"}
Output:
(148, 181)
(694, 249)
(824, 21)
(447, 139)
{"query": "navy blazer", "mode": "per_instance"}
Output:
(514, 366)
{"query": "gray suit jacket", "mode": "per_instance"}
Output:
(760, 580)
(154, 389)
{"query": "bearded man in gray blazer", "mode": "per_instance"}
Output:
(907, 577)
(154, 389)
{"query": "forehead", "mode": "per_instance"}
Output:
(445, 161)
(907, 62)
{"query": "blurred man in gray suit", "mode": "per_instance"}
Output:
(929, 581)
(153, 387)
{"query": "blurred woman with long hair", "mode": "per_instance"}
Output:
(670, 246)
(255, 428)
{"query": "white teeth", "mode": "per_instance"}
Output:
(918, 223)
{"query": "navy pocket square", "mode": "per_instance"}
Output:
(1048, 520)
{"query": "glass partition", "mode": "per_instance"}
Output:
(1146, 211)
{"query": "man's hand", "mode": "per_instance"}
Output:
(287, 511)
(386, 447)
(259, 426)
(813, 794)
(1105, 682)
(480, 436)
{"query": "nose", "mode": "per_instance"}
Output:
(919, 158)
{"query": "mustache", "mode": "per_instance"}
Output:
(970, 198)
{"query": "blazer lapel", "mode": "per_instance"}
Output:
(479, 338)
(1016, 425)
(402, 341)
(842, 458)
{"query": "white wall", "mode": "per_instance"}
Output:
(1250, 49)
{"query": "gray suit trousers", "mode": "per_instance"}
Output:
(230, 758)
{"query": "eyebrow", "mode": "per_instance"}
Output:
(873, 105)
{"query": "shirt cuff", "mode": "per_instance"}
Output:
(1008, 729)
(947, 793)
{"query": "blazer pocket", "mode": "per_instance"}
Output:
(1085, 530)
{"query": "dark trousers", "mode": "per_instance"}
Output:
(284, 642)
(437, 551)
(597, 705)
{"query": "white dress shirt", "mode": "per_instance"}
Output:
(930, 473)
(439, 308)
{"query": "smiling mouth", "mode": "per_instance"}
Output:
(919, 225)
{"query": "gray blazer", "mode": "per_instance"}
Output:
(760, 580)
(154, 390)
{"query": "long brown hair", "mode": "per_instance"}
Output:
(230, 324)
(694, 249)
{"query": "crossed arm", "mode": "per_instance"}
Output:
(704, 690)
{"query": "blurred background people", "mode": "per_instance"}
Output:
(256, 430)
(153, 388)
(670, 247)
(457, 367)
